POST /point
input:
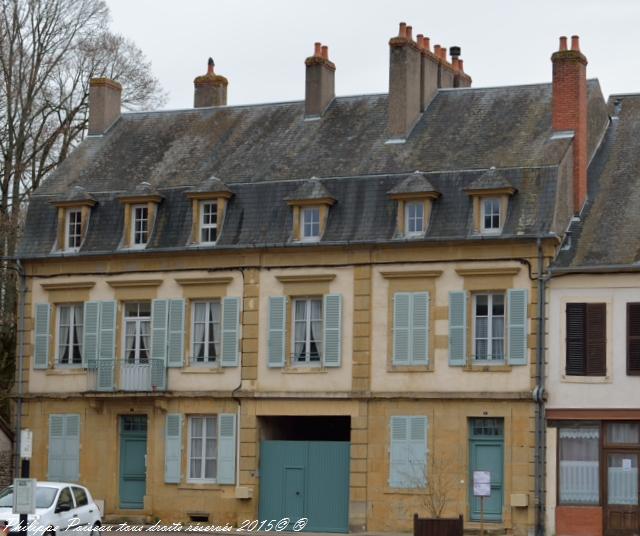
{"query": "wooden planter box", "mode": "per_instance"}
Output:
(425, 526)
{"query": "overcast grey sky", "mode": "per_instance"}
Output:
(260, 46)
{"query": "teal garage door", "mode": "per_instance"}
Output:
(306, 479)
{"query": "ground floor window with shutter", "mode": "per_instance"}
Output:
(578, 466)
(408, 451)
(307, 330)
(70, 334)
(64, 448)
(586, 325)
(489, 326)
(206, 331)
(203, 448)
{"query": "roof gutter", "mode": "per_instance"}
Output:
(601, 269)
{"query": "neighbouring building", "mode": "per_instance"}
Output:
(593, 409)
(305, 309)
(6, 453)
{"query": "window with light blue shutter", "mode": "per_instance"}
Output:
(64, 448)
(42, 336)
(230, 330)
(517, 307)
(401, 328)
(410, 328)
(277, 330)
(175, 333)
(159, 318)
(227, 448)
(408, 451)
(332, 330)
(91, 330)
(106, 346)
(172, 448)
(457, 328)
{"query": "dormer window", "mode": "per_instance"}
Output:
(310, 223)
(209, 201)
(491, 220)
(140, 227)
(490, 194)
(310, 203)
(208, 222)
(414, 214)
(414, 197)
(73, 237)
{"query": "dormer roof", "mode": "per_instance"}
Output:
(415, 185)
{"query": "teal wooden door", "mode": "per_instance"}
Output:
(306, 479)
(133, 453)
(486, 453)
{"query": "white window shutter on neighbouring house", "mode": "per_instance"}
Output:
(175, 333)
(227, 448)
(517, 318)
(331, 351)
(230, 330)
(401, 328)
(106, 345)
(90, 334)
(457, 329)
(420, 328)
(42, 336)
(277, 330)
(172, 448)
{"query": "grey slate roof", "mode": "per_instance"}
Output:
(212, 184)
(309, 189)
(490, 179)
(609, 230)
(77, 193)
(415, 183)
(264, 153)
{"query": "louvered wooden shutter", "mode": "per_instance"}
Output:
(226, 448)
(277, 330)
(175, 333)
(399, 451)
(633, 338)
(172, 448)
(106, 345)
(64, 448)
(457, 329)
(418, 427)
(42, 336)
(517, 307)
(331, 351)
(91, 334)
(56, 448)
(576, 339)
(596, 339)
(230, 329)
(159, 318)
(420, 328)
(401, 330)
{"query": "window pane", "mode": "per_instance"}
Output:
(482, 305)
(623, 433)
(579, 481)
(622, 479)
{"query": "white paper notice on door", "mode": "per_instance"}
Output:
(482, 483)
(626, 464)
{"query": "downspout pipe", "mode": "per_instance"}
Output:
(20, 371)
(539, 398)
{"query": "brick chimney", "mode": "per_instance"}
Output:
(405, 93)
(428, 72)
(210, 89)
(320, 87)
(460, 78)
(104, 104)
(569, 109)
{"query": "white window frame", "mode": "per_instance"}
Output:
(208, 226)
(311, 210)
(218, 343)
(483, 205)
(134, 231)
(408, 218)
(137, 321)
(306, 361)
(201, 479)
(490, 338)
(70, 236)
(72, 324)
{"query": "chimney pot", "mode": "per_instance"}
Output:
(456, 63)
(563, 43)
(461, 65)
(210, 89)
(454, 51)
(427, 43)
(104, 104)
(325, 52)
(575, 43)
(317, 50)
(419, 40)
(409, 33)
(403, 30)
